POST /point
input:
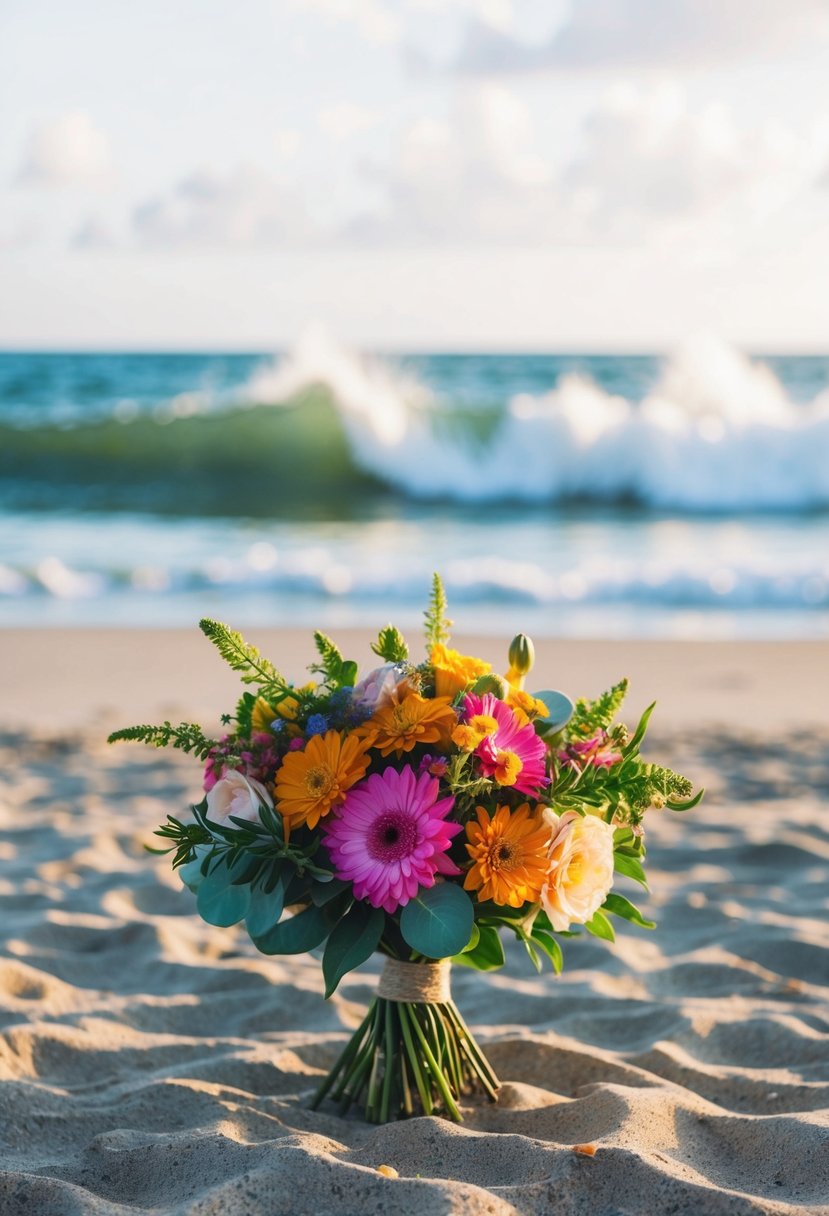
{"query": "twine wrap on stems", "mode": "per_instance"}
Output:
(412, 1054)
(416, 983)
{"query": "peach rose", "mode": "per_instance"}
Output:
(386, 685)
(235, 794)
(581, 868)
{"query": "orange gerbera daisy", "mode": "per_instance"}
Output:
(509, 855)
(397, 728)
(453, 670)
(312, 781)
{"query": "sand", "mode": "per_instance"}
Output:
(152, 1064)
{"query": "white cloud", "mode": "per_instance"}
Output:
(344, 119)
(650, 168)
(243, 208)
(476, 176)
(647, 33)
(68, 151)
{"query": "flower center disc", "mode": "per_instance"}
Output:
(318, 781)
(392, 836)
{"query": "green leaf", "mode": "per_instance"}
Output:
(191, 872)
(438, 624)
(323, 892)
(488, 954)
(265, 909)
(632, 745)
(600, 926)
(546, 942)
(297, 935)
(391, 645)
(437, 923)
(617, 905)
(630, 867)
(531, 950)
(348, 674)
(474, 938)
(353, 940)
(219, 900)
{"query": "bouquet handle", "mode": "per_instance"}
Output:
(412, 1053)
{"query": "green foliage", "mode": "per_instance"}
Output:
(297, 935)
(187, 838)
(600, 926)
(245, 659)
(187, 737)
(560, 710)
(391, 645)
(590, 716)
(352, 941)
(488, 952)
(437, 923)
(221, 899)
(336, 671)
(438, 624)
(265, 908)
(244, 712)
(617, 905)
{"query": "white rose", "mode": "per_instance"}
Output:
(581, 868)
(380, 687)
(237, 795)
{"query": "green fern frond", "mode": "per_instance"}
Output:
(391, 645)
(332, 660)
(187, 737)
(438, 624)
(591, 716)
(241, 656)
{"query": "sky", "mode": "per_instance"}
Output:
(414, 174)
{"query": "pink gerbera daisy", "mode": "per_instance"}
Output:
(509, 751)
(390, 837)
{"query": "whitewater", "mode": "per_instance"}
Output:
(606, 495)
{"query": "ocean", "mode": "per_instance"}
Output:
(567, 495)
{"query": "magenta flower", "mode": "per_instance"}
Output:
(596, 751)
(512, 736)
(390, 837)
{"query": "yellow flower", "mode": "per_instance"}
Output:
(507, 767)
(397, 728)
(453, 671)
(509, 855)
(526, 706)
(262, 715)
(288, 706)
(470, 734)
(310, 782)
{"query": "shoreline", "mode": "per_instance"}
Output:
(70, 678)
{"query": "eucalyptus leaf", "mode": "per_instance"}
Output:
(265, 909)
(352, 941)
(438, 921)
(219, 900)
(296, 935)
(191, 872)
(560, 710)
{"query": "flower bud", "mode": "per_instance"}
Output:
(521, 659)
(493, 683)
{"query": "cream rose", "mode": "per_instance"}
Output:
(580, 868)
(235, 794)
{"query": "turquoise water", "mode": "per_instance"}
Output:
(569, 495)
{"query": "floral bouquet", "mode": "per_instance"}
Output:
(416, 812)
